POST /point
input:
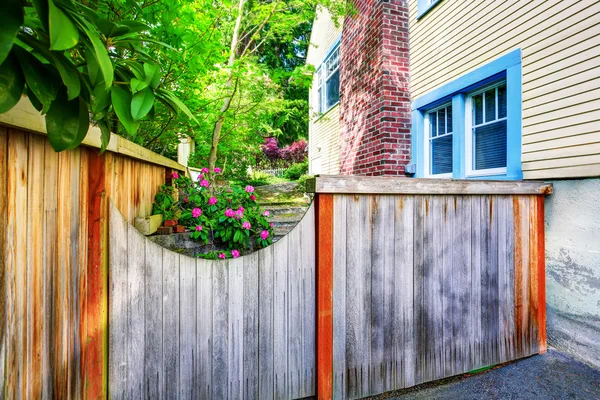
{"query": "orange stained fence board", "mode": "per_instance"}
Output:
(541, 264)
(324, 245)
(96, 305)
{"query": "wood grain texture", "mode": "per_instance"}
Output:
(4, 289)
(453, 273)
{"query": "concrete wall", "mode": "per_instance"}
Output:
(573, 268)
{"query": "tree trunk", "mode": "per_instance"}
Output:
(216, 137)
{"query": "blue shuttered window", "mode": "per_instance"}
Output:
(440, 140)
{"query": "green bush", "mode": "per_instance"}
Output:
(302, 182)
(295, 171)
(258, 178)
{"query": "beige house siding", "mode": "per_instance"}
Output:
(323, 131)
(560, 46)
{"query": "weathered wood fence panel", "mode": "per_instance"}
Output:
(53, 261)
(426, 285)
(192, 328)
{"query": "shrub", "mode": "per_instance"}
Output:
(295, 153)
(296, 171)
(302, 182)
(270, 149)
(258, 178)
(225, 217)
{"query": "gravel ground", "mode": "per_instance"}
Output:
(553, 375)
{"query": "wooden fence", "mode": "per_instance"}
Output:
(422, 279)
(53, 255)
(190, 328)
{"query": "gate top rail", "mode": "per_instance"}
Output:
(400, 185)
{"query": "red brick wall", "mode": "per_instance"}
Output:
(374, 90)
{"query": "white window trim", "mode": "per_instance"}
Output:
(469, 159)
(427, 146)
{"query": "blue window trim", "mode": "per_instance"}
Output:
(423, 8)
(506, 67)
(334, 46)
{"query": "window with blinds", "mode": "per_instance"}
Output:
(329, 81)
(440, 140)
(488, 128)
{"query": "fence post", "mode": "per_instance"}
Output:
(324, 247)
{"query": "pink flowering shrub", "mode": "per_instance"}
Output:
(227, 218)
(274, 156)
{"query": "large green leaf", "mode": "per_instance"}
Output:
(34, 100)
(67, 122)
(137, 85)
(63, 32)
(12, 19)
(38, 76)
(100, 99)
(105, 134)
(69, 75)
(41, 8)
(141, 103)
(121, 100)
(11, 83)
(100, 53)
(135, 26)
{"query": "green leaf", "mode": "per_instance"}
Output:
(41, 8)
(12, 19)
(38, 76)
(101, 54)
(63, 32)
(178, 104)
(12, 83)
(67, 122)
(110, 29)
(141, 103)
(34, 100)
(135, 26)
(137, 85)
(105, 136)
(69, 75)
(121, 100)
(100, 98)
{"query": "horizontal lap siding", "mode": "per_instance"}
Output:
(560, 43)
(324, 133)
(431, 286)
(53, 294)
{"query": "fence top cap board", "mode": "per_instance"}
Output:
(399, 185)
(25, 116)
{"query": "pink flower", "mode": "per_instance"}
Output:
(252, 197)
(238, 214)
(234, 253)
(198, 228)
(246, 225)
(187, 199)
(267, 213)
(175, 175)
(212, 200)
(229, 212)
(204, 170)
(222, 255)
(241, 209)
(264, 235)
(217, 170)
(272, 225)
(204, 183)
(196, 212)
(249, 189)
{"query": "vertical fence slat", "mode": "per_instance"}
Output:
(4, 276)
(236, 327)
(353, 293)
(376, 236)
(250, 327)
(220, 320)
(476, 296)
(462, 279)
(449, 315)
(339, 296)
(280, 318)
(295, 317)
(187, 333)
(117, 310)
(308, 260)
(136, 259)
(204, 320)
(418, 298)
(153, 316)
(170, 346)
(265, 323)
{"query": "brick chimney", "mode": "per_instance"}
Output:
(374, 89)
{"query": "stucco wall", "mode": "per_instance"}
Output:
(573, 268)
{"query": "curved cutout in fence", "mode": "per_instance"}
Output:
(190, 328)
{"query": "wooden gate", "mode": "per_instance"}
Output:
(191, 328)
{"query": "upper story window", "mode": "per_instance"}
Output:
(329, 81)
(439, 132)
(423, 7)
(487, 138)
(471, 127)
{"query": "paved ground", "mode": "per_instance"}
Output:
(549, 376)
